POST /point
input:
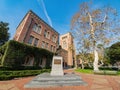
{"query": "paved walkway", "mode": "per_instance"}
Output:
(95, 82)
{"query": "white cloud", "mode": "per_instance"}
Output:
(45, 11)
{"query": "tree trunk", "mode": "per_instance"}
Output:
(82, 66)
(76, 63)
(95, 63)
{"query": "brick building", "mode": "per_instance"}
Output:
(34, 31)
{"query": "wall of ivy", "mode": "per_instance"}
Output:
(13, 54)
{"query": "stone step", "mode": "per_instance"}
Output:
(58, 78)
(45, 80)
(56, 81)
(68, 79)
(47, 76)
(35, 85)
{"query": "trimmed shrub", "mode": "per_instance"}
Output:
(105, 72)
(20, 68)
(14, 54)
(88, 68)
(7, 75)
(109, 68)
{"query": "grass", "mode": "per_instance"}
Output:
(118, 72)
(87, 71)
(90, 71)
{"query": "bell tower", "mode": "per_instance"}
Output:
(66, 42)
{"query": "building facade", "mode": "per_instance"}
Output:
(66, 42)
(34, 31)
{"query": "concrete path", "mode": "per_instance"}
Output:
(95, 82)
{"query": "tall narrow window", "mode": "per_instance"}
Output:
(51, 48)
(45, 33)
(35, 27)
(46, 45)
(39, 29)
(48, 35)
(54, 38)
(43, 44)
(54, 49)
(30, 40)
(36, 42)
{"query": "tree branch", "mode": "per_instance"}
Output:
(104, 18)
(92, 26)
(90, 17)
(101, 64)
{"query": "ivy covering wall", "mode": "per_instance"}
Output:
(13, 54)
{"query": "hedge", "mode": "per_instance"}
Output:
(105, 72)
(7, 75)
(14, 53)
(21, 68)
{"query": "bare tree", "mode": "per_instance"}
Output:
(93, 26)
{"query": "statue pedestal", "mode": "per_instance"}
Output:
(56, 77)
(57, 66)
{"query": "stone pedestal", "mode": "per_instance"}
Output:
(57, 66)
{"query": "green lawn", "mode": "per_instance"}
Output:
(118, 72)
(90, 71)
(87, 71)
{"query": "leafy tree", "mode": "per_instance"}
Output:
(92, 26)
(106, 57)
(4, 35)
(85, 59)
(114, 53)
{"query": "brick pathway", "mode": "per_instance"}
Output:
(95, 82)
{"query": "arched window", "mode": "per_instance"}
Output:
(29, 60)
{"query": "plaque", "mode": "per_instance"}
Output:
(57, 61)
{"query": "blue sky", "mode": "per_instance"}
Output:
(59, 12)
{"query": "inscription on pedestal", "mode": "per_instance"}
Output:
(57, 61)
